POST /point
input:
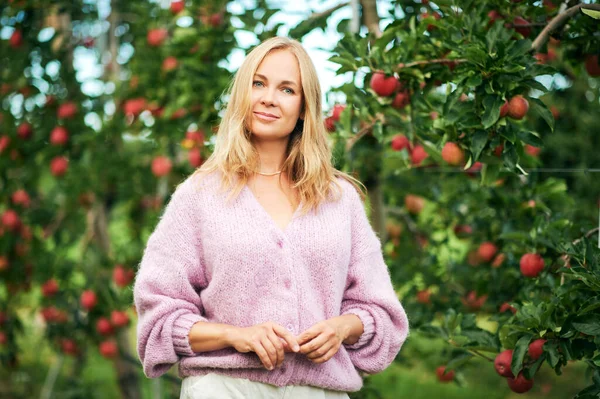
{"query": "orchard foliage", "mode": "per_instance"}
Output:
(448, 111)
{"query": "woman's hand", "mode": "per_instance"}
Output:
(266, 341)
(320, 342)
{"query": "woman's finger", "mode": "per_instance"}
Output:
(258, 348)
(287, 336)
(271, 351)
(278, 347)
(326, 356)
(320, 351)
(314, 344)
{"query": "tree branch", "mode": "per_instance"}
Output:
(364, 131)
(557, 21)
(370, 16)
(435, 61)
(327, 12)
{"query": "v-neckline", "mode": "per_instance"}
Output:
(268, 216)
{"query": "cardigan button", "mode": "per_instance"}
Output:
(280, 243)
(287, 283)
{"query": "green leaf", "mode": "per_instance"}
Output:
(592, 13)
(458, 360)
(520, 48)
(543, 111)
(510, 156)
(478, 142)
(491, 105)
(553, 356)
(529, 371)
(588, 324)
(489, 173)
(519, 354)
(530, 138)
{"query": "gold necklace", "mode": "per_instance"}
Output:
(269, 174)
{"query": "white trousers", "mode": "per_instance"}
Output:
(216, 386)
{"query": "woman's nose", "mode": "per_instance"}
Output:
(268, 97)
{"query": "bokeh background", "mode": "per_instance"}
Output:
(474, 126)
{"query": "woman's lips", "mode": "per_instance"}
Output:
(266, 117)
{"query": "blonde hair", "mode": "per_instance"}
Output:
(308, 162)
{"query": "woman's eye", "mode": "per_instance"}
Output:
(257, 83)
(288, 90)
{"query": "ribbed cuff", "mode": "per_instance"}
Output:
(368, 327)
(181, 331)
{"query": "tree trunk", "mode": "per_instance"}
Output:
(375, 190)
(370, 16)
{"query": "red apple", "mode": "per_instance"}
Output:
(20, 197)
(169, 64)
(88, 299)
(444, 376)
(401, 100)
(3, 338)
(506, 307)
(156, 37)
(215, 20)
(531, 265)
(337, 111)
(177, 6)
(59, 136)
(118, 318)
(66, 110)
(414, 204)
(487, 251)
(418, 155)
(502, 363)
(519, 384)
(453, 154)
(11, 220)
(474, 302)
(4, 264)
(555, 112)
(592, 66)
(518, 107)
(134, 106)
(549, 5)
(498, 260)
(423, 297)
(50, 288)
(330, 124)
(104, 327)
(16, 39)
(531, 150)
(122, 277)
(536, 349)
(494, 16)
(4, 143)
(521, 25)
(108, 349)
(59, 166)
(69, 347)
(382, 85)
(24, 130)
(197, 136)
(400, 142)
(195, 157)
(161, 166)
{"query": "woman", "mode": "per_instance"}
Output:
(263, 276)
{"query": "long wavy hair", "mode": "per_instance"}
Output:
(308, 162)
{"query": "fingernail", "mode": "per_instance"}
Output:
(296, 348)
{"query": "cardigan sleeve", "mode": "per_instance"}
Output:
(369, 294)
(165, 289)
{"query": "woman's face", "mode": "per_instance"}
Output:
(276, 97)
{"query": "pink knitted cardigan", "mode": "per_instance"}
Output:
(229, 262)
